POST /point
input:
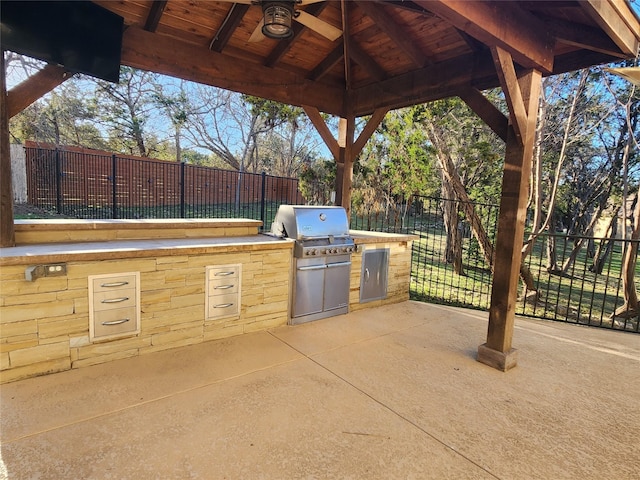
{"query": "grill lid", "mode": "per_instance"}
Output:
(306, 222)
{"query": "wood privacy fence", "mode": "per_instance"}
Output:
(92, 184)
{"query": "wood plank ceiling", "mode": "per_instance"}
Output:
(391, 53)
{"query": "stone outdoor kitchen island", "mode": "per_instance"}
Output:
(81, 292)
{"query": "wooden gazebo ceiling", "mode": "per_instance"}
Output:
(391, 53)
(387, 54)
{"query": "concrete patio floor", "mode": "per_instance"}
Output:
(391, 392)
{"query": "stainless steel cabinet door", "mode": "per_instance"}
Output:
(336, 282)
(309, 284)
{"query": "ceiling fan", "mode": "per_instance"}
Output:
(277, 16)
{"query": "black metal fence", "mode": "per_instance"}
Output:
(581, 285)
(82, 184)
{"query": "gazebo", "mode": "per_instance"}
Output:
(356, 59)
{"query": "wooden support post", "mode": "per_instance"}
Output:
(346, 160)
(345, 149)
(7, 232)
(497, 351)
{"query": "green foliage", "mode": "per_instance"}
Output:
(125, 110)
(316, 180)
(63, 117)
(408, 159)
(274, 113)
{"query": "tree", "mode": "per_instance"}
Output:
(125, 110)
(469, 163)
(220, 122)
(408, 162)
(316, 180)
(63, 117)
(628, 147)
(176, 107)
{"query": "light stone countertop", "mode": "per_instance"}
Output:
(80, 251)
(114, 249)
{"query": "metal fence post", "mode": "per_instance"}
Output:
(58, 183)
(263, 199)
(114, 187)
(182, 189)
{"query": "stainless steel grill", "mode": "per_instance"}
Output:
(322, 257)
(317, 230)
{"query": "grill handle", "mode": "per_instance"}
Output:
(338, 264)
(313, 267)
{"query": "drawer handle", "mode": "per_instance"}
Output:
(114, 284)
(223, 287)
(223, 305)
(115, 322)
(115, 300)
(224, 274)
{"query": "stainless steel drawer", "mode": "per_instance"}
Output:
(113, 282)
(116, 321)
(223, 305)
(114, 305)
(222, 272)
(119, 298)
(223, 294)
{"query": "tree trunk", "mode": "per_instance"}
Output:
(577, 246)
(630, 307)
(452, 179)
(552, 256)
(606, 244)
(453, 246)
(178, 146)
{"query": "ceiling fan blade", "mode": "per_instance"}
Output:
(308, 2)
(246, 2)
(319, 26)
(257, 35)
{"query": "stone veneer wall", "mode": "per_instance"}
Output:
(398, 277)
(44, 325)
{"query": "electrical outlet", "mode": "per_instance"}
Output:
(55, 270)
(49, 270)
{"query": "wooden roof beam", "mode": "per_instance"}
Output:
(583, 37)
(441, 80)
(368, 130)
(327, 63)
(511, 89)
(231, 22)
(361, 57)
(486, 110)
(504, 24)
(314, 115)
(346, 44)
(169, 56)
(395, 32)
(34, 87)
(155, 13)
(615, 18)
